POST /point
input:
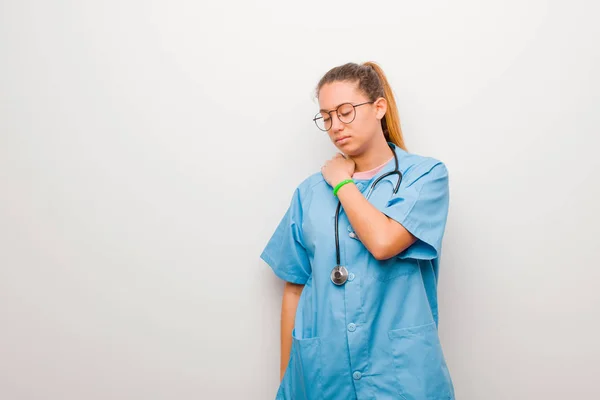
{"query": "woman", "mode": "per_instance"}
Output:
(359, 312)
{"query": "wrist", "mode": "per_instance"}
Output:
(341, 179)
(341, 184)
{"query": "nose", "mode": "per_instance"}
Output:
(336, 124)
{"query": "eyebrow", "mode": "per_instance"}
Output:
(345, 102)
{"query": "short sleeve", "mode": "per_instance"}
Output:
(285, 252)
(422, 208)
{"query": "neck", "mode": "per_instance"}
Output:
(376, 154)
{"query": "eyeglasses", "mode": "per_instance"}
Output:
(346, 113)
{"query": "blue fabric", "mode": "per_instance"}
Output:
(285, 252)
(375, 337)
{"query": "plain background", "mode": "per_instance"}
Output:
(148, 150)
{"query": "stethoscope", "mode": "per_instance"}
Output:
(339, 274)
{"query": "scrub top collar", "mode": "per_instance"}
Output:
(389, 167)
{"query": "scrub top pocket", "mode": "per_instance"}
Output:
(386, 270)
(419, 363)
(302, 379)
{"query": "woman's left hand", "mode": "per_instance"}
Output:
(337, 169)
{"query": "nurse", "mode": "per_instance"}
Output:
(359, 319)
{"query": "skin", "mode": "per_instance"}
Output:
(289, 304)
(363, 147)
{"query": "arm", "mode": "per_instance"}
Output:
(381, 235)
(289, 304)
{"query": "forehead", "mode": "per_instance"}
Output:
(335, 93)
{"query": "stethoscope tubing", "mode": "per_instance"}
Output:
(396, 171)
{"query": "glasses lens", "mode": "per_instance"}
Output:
(346, 113)
(323, 121)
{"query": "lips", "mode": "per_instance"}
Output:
(342, 139)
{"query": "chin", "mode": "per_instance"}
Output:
(350, 149)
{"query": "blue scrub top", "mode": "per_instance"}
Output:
(375, 337)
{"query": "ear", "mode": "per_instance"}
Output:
(380, 107)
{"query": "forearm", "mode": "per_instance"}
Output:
(370, 224)
(289, 304)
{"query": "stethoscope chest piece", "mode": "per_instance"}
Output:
(339, 275)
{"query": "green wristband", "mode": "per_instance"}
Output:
(339, 185)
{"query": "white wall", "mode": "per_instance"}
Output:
(148, 150)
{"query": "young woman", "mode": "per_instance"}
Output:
(359, 249)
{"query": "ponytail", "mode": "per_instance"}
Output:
(391, 121)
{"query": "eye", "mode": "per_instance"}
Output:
(345, 109)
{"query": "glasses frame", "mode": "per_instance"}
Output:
(318, 116)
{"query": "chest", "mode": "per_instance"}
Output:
(319, 219)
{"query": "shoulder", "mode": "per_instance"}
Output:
(415, 166)
(312, 185)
